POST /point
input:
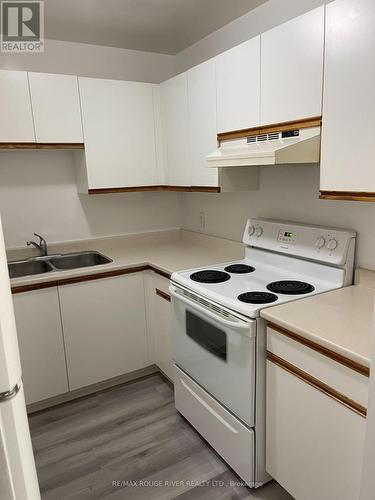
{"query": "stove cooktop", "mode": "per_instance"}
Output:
(249, 285)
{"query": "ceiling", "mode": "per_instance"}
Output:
(164, 26)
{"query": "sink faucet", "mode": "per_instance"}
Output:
(41, 246)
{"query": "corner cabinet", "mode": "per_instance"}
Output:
(347, 167)
(56, 108)
(201, 81)
(175, 126)
(41, 343)
(119, 131)
(104, 328)
(16, 119)
(189, 117)
(238, 86)
(292, 69)
(158, 307)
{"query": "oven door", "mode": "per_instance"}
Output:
(216, 347)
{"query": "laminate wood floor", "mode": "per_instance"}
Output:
(93, 448)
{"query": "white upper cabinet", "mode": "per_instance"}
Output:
(292, 69)
(174, 109)
(238, 86)
(202, 122)
(119, 130)
(349, 104)
(56, 108)
(16, 120)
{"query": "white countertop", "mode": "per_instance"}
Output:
(340, 320)
(167, 251)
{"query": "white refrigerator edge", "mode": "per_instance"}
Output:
(18, 478)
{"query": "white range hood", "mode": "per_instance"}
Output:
(276, 148)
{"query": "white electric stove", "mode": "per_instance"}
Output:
(283, 262)
(219, 337)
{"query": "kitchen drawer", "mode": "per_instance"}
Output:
(343, 379)
(228, 436)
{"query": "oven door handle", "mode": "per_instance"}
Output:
(237, 325)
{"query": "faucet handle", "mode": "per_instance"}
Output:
(42, 246)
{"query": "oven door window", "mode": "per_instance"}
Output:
(206, 335)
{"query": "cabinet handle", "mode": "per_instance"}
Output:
(162, 294)
(317, 384)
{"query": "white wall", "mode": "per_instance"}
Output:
(38, 190)
(93, 60)
(38, 193)
(263, 18)
(290, 193)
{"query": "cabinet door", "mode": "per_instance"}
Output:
(348, 103)
(314, 444)
(56, 107)
(159, 321)
(238, 86)
(104, 328)
(292, 69)
(119, 131)
(174, 109)
(16, 120)
(41, 344)
(202, 122)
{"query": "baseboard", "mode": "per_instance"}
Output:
(91, 389)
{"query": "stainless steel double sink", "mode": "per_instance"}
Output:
(58, 262)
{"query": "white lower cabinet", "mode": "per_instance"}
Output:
(159, 315)
(314, 441)
(104, 328)
(41, 344)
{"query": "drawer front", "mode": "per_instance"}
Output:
(228, 436)
(343, 379)
(314, 444)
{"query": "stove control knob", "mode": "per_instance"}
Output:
(332, 244)
(251, 230)
(258, 231)
(320, 242)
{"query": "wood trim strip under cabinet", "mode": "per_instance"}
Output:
(339, 358)
(317, 384)
(42, 145)
(314, 121)
(86, 277)
(161, 187)
(162, 294)
(347, 195)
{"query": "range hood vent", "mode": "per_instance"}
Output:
(283, 147)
